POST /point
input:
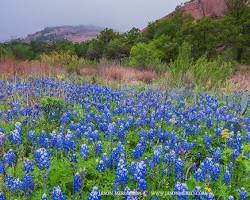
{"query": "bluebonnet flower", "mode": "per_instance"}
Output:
(2, 168)
(28, 166)
(2, 140)
(2, 196)
(10, 158)
(94, 194)
(101, 166)
(138, 151)
(247, 137)
(57, 141)
(121, 174)
(68, 143)
(139, 171)
(129, 195)
(156, 158)
(27, 184)
(84, 151)
(170, 158)
(217, 155)
(43, 140)
(215, 171)
(238, 142)
(235, 154)
(230, 198)
(179, 167)
(165, 172)
(197, 193)
(13, 184)
(57, 194)
(207, 141)
(181, 191)
(200, 175)
(218, 132)
(44, 197)
(98, 148)
(209, 196)
(32, 137)
(243, 194)
(73, 159)
(227, 177)
(15, 137)
(42, 159)
(77, 184)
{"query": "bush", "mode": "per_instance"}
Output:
(145, 56)
(22, 51)
(211, 73)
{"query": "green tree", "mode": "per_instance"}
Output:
(107, 35)
(206, 36)
(145, 55)
(22, 51)
(95, 50)
(236, 8)
(82, 49)
(117, 49)
(5, 52)
(39, 47)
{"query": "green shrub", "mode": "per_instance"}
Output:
(145, 56)
(211, 73)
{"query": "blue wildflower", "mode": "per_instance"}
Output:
(84, 151)
(77, 184)
(57, 194)
(42, 159)
(10, 158)
(95, 194)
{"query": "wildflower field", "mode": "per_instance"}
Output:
(65, 140)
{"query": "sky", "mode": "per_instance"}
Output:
(21, 17)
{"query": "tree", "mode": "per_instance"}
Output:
(5, 53)
(82, 49)
(95, 49)
(117, 49)
(107, 35)
(206, 36)
(236, 8)
(22, 51)
(145, 55)
(39, 47)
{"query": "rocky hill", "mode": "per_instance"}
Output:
(71, 33)
(201, 8)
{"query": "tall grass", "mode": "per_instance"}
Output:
(181, 65)
(202, 72)
(211, 73)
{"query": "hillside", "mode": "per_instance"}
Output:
(201, 8)
(71, 33)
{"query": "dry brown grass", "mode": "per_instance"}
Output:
(10, 68)
(105, 71)
(126, 74)
(241, 80)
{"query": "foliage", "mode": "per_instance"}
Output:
(182, 64)
(5, 53)
(211, 73)
(22, 51)
(58, 58)
(145, 55)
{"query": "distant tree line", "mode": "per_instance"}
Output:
(228, 37)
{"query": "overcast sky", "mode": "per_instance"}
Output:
(21, 17)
